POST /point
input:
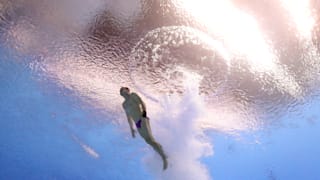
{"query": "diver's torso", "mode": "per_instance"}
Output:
(132, 108)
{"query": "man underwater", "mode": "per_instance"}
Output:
(135, 110)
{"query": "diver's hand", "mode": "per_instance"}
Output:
(133, 133)
(144, 114)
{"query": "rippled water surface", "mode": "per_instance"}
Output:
(238, 66)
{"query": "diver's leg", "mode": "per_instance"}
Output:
(158, 148)
(150, 139)
(145, 132)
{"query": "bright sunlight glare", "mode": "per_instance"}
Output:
(239, 30)
(243, 37)
(300, 12)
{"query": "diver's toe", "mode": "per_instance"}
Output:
(165, 164)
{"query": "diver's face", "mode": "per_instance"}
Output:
(125, 92)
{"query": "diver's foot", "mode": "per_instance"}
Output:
(165, 163)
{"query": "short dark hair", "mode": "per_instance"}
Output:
(123, 88)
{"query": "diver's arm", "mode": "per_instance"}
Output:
(143, 105)
(131, 127)
(130, 121)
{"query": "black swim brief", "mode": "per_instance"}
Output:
(138, 123)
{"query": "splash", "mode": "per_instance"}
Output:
(179, 132)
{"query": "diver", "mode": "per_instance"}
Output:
(135, 110)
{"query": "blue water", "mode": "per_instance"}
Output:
(287, 151)
(283, 153)
(36, 139)
(63, 119)
(38, 129)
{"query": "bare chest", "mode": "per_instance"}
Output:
(131, 105)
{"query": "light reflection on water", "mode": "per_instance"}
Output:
(94, 50)
(255, 65)
(257, 61)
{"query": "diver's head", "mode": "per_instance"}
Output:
(124, 91)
